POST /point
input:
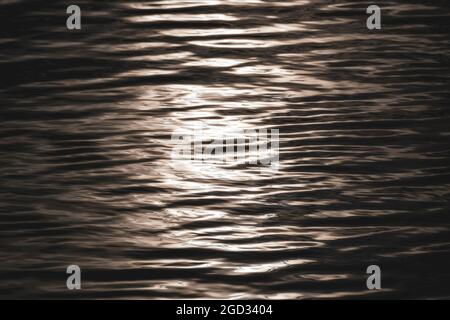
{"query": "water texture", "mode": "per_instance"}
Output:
(87, 177)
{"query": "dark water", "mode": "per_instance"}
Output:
(87, 177)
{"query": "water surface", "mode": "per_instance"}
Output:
(87, 176)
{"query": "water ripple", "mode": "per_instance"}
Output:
(88, 179)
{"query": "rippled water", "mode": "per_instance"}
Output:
(87, 177)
